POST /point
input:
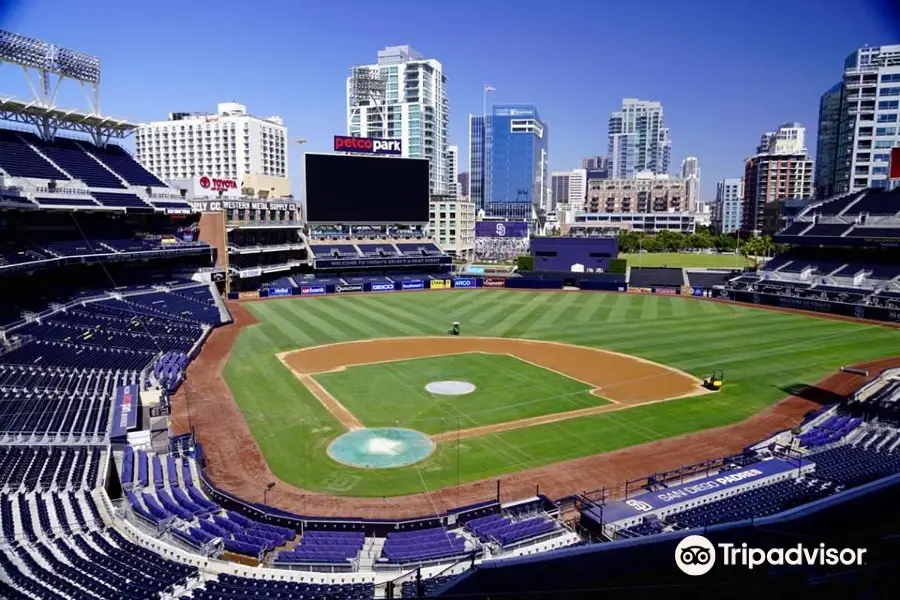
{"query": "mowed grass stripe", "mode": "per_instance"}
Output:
(764, 354)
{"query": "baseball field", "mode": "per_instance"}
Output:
(550, 376)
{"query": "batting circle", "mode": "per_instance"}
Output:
(381, 448)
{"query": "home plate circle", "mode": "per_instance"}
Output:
(450, 388)
(381, 448)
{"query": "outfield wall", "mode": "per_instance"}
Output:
(857, 311)
(585, 283)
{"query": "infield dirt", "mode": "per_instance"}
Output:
(624, 380)
(236, 465)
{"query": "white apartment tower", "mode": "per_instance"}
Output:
(859, 123)
(404, 96)
(638, 140)
(453, 170)
(787, 139)
(568, 187)
(690, 172)
(228, 144)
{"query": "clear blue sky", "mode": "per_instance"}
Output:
(724, 71)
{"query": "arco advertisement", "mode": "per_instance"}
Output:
(465, 282)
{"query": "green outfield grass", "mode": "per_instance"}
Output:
(687, 260)
(387, 394)
(764, 353)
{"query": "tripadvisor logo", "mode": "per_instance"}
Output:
(696, 555)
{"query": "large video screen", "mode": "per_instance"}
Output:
(365, 189)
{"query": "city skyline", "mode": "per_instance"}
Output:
(708, 119)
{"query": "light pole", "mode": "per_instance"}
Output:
(268, 487)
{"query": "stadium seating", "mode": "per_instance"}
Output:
(21, 160)
(324, 547)
(422, 546)
(73, 160)
(503, 530)
(422, 249)
(118, 160)
(378, 250)
(119, 200)
(650, 277)
(708, 279)
(232, 587)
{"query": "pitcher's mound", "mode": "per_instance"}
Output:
(381, 448)
(450, 388)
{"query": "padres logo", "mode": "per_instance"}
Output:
(501, 230)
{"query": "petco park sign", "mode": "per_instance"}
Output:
(211, 187)
(360, 145)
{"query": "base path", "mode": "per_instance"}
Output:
(235, 463)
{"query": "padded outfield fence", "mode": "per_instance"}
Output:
(859, 311)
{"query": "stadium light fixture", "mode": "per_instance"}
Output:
(32, 53)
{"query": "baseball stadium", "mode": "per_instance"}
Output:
(205, 395)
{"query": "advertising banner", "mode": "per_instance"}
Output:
(218, 205)
(640, 290)
(475, 270)
(352, 263)
(348, 288)
(125, 410)
(280, 291)
(211, 187)
(361, 145)
(697, 291)
(248, 295)
(413, 285)
(493, 282)
(382, 287)
(248, 273)
(440, 284)
(312, 289)
(666, 291)
(501, 229)
(465, 282)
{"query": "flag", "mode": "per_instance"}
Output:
(489, 88)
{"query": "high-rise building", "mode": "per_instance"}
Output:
(560, 182)
(727, 212)
(228, 144)
(643, 193)
(404, 97)
(462, 181)
(858, 123)
(782, 171)
(787, 139)
(453, 171)
(690, 172)
(508, 162)
(826, 147)
(638, 140)
(577, 188)
(452, 225)
(595, 163)
(568, 187)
